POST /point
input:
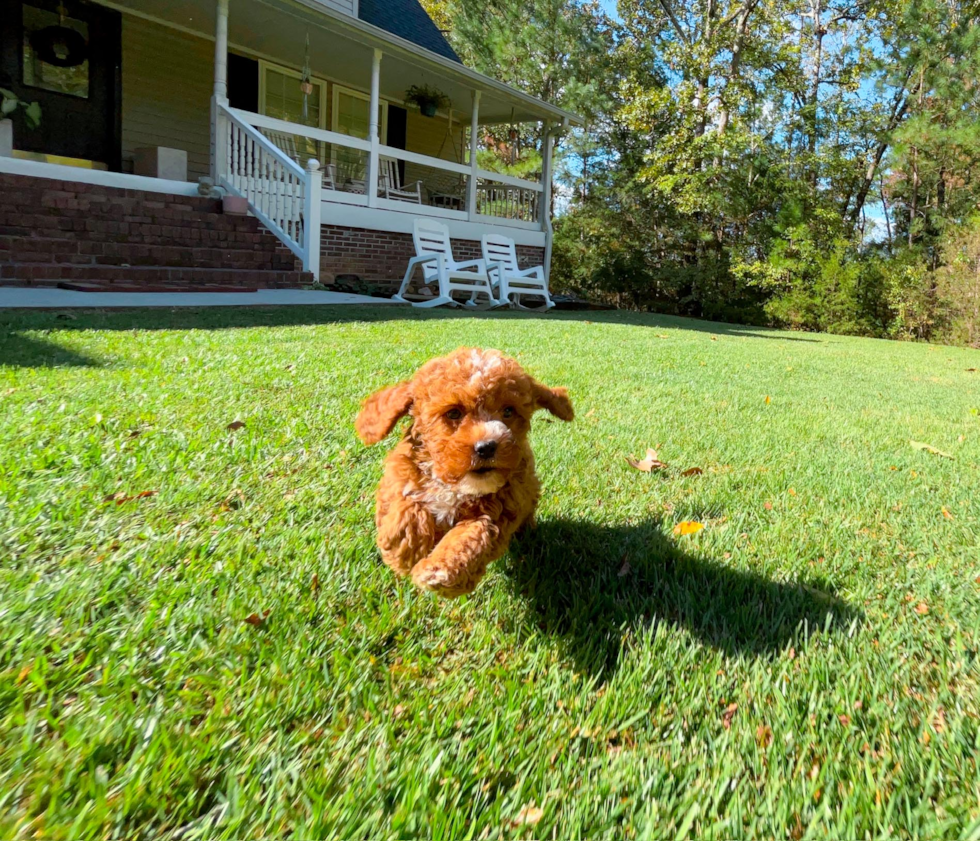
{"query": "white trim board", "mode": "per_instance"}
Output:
(376, 219)
(120, 180)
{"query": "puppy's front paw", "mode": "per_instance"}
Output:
(444, 580)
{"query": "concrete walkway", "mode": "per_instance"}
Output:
(12, 297)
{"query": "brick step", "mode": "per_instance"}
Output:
(122, 287)
(203, 228)
(50, 274)
(266, 255)
(111, 211)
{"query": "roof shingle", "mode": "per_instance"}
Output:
(406, 19)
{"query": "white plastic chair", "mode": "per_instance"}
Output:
(390, 183)
(434, 253)
(509, 280)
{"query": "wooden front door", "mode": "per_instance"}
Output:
(65, 55)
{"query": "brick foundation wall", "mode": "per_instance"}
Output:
(381, 257)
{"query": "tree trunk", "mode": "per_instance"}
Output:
(814, 98)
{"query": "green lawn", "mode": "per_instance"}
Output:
(804, 667)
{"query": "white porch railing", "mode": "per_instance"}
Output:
(500, 199)
(283, 195)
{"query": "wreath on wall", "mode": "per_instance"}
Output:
(60, 45)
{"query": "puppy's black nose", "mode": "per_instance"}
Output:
(485, 449)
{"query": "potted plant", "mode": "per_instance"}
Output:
(10, 102)
(428, 100)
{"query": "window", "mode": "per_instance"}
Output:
(64, 42)
(351, 115)
(281, 97)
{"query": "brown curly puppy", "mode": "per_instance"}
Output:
(462, 480)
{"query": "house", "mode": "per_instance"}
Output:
(298, 106)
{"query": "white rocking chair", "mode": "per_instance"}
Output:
(434, 253)
(390, 184)
(509, 280)
(287, 144)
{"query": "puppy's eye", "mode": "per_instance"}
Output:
(509, 412)
(454, 414)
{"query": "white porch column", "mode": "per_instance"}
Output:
(374, 131)
(474, 139)
(311, 218)
(220, 95)
(547, 150)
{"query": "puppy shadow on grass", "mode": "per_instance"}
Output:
(585, 582)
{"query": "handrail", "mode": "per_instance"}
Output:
(500, 178)
(336, 137)
(264, 142)
(424, 160)
(349, 141)
(280, 193)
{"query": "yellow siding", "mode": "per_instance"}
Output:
(167, 78)
(432, 136)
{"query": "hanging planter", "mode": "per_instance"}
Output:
(306, 82)
(427, 100)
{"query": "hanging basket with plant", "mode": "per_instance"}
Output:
(428, 100)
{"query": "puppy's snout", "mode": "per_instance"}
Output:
(486, 449)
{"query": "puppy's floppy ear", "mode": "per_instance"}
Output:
(381, 411)
(555, 400)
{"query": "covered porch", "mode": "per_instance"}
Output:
(381, 163)
(301, 108)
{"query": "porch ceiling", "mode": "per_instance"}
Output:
(341, 49)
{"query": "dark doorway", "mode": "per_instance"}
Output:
(65, 55)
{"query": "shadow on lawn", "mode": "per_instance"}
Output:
(218, 318)
(20, 351)
(569, 572)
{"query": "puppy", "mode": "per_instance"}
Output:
(462, 480)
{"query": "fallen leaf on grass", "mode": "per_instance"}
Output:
(768, 400)
(234, 500)
(929, 449)
(844, 719)
(528, 816)
(256, 620)
(768, 506)
(946, 513)
(625, 569)
(687, 527)
(649, 464)
(235, 424)
(922, 608)
(714, 338)
(971, 370)
(728, 715)
(315, 582)
(763, 736)
(121, 496)
(692, 471)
